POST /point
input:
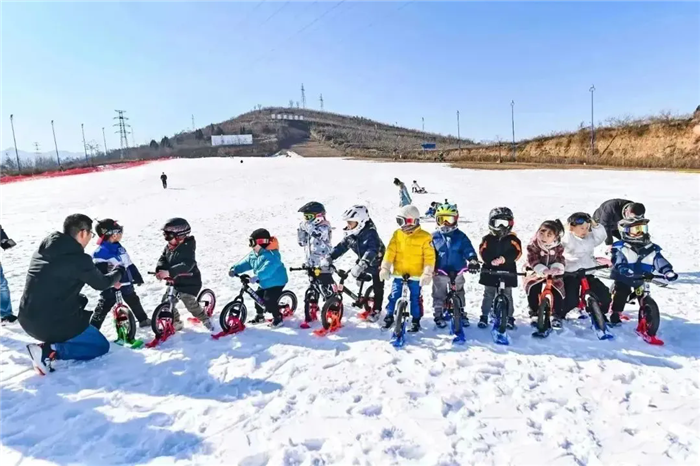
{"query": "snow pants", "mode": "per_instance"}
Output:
(5, 302)
(572, 288)
(270, 297)
(396, 289)
(533, 300)
(440, 284)
(88, 345)
(490, 293)
(191, 304)
(107, 302)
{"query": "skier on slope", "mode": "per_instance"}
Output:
(404, 197)
(164, 180)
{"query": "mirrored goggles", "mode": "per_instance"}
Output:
(406, 222)
(637, 230)
(447, 220)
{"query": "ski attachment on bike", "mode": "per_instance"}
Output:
(235, 326)
(642, 332)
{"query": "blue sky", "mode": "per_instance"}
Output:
(391, 61)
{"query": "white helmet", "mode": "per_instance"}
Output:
(408, 217)
(356, 213)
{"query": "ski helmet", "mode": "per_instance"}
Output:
(446, 217)
(634, 230)
(359, 214)
(579, 218)
(260, 237)
(501, 221)
(313, 212)
(408, 218)
(633, 210)
(556, 227)
(176, 228)
(107, 227)
(397, 181)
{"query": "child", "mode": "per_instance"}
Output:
(633, 257)
(453, 252)
(499, 250)
(314, 233)
(416, 188)
(545, 256)
(409, 252)
(179, 264)
(108, 255)
(404, 198)
(361, 236)
(584, 235)
(430, 213)
(270, 274)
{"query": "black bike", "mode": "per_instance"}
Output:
(235, 312)
(453, 308)
(500, 310)
(333, 309)
(313, 293)
(588, 302)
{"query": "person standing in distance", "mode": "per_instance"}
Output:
(52, 310)
(164, 180)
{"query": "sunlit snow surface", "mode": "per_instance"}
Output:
(287, 397)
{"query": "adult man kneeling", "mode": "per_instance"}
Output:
(52, 310)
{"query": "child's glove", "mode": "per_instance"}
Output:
(473, 266)
(7, 243)
(498, 261)
(357, 270)
(385, 271)
(427, 276)
(231, 272)
(325, 262)
(253, 280)
(671, 276)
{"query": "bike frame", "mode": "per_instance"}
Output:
(547, 292)
(452, 285)
(119, 305)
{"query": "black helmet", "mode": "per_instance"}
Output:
(312, 207)
(634, 210)
(107, 227)
(501, 221)
(634, 230)
(578, 218)
(259, 237)
(397, 181)
(176, 228)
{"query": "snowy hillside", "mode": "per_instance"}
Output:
(286, 397)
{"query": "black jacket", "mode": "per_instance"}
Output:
(366, 244)
(163, 177)
(609, 214)
(52, 308)
(181, 260)
(493, 247)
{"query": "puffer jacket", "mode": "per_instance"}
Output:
(540, 259)
(578, 252)
(181, 260)
(266, 264)
(493, 247)
(631, 262)
(453, 250)
(404, 197)
(609, 214)
(366, 244)
(109, 255)
(316, 241)
(410, 253)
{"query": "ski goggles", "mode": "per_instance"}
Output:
(636, 231)
(502, 223)
(114, 231)
(309, 217)
(579, 219)
(407, 222)
(447, 219)
(258, 242)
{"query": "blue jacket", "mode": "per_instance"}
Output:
(404, 197)
(266, 265)
(366, 244)
(452, 250)
(631, 262)
(109, 255)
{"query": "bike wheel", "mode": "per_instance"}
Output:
(368, 301)
(161, 319)
(310, 304)
(399, 317)
(125, 322)
(500, 308)
(233, 310)
(287, 303)
(652, 316)
(542, 315)
(333, 306)
(207, 299)
(456, 306)
(596, 314)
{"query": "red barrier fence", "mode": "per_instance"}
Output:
(74, 171)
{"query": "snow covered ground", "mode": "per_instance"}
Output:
(285, 397)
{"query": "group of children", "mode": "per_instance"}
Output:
(554, 250)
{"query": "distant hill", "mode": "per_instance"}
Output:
(30, 157)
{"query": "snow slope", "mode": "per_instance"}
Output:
(285, 397)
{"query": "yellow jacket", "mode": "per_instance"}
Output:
(410, 252)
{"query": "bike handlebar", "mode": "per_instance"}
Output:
(447, 274)
(503, 273)
(187, 274)
(584, 270)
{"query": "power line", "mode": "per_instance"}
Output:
(274, 14)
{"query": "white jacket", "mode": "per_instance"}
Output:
(578, 252)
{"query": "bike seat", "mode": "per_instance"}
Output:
(364, 277)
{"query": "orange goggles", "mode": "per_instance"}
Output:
(447, 220)
(637, 230)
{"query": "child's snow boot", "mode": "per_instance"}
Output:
(415, 326)
(483, 322)
(388, 322)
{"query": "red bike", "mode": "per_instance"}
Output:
(544, 311)
(589, 302)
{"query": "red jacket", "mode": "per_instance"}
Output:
(540, 259)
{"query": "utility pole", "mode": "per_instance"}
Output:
(104, 139)
(12, 123)
(37, 154)
(122, 126)
(82, 129)
(320, 99)
(512, 123)
(459, 137)
(303, 96)
(592, 90)
(58, 157)
(422, 119)
(193, 127)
